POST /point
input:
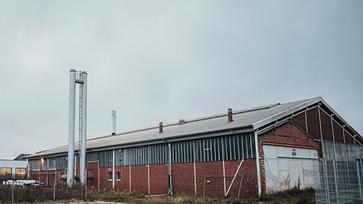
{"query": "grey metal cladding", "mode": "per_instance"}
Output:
(213, 149)
(142, 155)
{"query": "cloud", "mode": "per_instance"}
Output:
(160, 61)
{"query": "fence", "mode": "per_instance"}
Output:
(339, 182)
(334, 182)
(213, 184)
(339, 178)
(15, 189)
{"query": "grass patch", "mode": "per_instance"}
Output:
(293, 196)
(75, 195)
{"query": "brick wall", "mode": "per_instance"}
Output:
(246, 181)
(123, 184)
(209, 178)
(183, 178)
(159, 179)
(139, 179)
(139, 182)
(330, 130)
(92, 171)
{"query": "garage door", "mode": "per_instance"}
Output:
(287, 168)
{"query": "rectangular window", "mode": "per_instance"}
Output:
(51, 163)
(109, 175)
(20, 171)
(34, 165)
(118, 176)
(5, 170)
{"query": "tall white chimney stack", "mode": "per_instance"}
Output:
(71, 126)
(114, 127)
(83, 125)
(74, 79)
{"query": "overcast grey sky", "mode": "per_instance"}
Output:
(164, 60)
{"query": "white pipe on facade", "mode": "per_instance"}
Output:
(98, 175)
(169, 171)
(224, 178)
(71, 126)
(83, 126)
(224, 172)
(148, 171)
(194, 172)
(148, 179)
(75, 164)
(113, 169)
(130, 179)
(258, 164)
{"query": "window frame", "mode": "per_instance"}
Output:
(20, 168)
(6, 167)
(118, 175)
(109, 173)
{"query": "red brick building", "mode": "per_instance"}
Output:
(213, 156)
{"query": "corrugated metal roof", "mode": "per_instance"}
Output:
(253, 118)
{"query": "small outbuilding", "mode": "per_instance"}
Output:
(13, 167)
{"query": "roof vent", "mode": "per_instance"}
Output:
(161, 127)
(230, 115)
(114, 122)
(182, 121)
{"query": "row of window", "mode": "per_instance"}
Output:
(231, 147)
(118, 175)
(8, 170)
(50, 163)
(34, 164)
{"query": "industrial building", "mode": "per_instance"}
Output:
(240, 153)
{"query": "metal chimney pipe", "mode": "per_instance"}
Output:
(71, 126)
(114, 127)
(83, 169)
(230, 115)
(161, 127)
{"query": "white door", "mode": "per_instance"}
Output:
(295, 170)
(286, 168)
